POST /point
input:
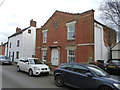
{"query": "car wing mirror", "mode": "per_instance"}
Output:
(27, 62)
(89, 74)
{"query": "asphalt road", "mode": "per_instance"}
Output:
(13, 79)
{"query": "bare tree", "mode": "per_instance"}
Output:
(110, 13)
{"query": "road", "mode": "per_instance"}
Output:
(13, 79)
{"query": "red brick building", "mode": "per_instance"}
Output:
(68, 37)
(2, 49)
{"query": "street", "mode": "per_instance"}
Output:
(13, 79)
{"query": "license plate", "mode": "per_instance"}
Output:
(112, 66)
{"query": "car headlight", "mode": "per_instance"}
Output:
(36, 68)
(117, 85)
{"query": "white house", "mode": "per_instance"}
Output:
(22, 43)
(116, 51)
(104, 39)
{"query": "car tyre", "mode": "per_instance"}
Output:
(30, 72)
(18, 69)
(105, 88)
(59, 81)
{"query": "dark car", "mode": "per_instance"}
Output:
(113, 66)
(84, 76)
(5, 60)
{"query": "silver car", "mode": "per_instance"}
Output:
(5, 60)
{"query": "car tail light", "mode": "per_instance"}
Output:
(56, 68)
(119, 66)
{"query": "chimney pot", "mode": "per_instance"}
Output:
(18, 29)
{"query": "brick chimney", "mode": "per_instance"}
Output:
(18, 29)
(33, 23)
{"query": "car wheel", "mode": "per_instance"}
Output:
(18, 69)
(59, 81)
(105, 88)
(30, 72)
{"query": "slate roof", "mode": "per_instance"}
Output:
(17, 33)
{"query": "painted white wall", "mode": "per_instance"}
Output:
(116, 52)
(26, 44)
(101, 51)
(29, 42)
(6, 49)
(14, 48)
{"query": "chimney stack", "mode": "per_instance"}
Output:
(33, 23)
(18, 29)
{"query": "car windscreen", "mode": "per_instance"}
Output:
(98, 71)
(35, 61)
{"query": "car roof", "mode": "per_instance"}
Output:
(83, 64)
(28, 58)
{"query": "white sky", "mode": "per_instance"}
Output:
(18, 13)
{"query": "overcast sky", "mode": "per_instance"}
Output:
(18, 13)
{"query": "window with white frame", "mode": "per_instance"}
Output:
(71, 31)
(44, 55)
(45, 37)
(70, 56)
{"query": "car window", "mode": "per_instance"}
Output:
(98, 71)
(80, 69)
(35, 61)
(3, 57)
(24, 60)
(116, 62)
(66, 66)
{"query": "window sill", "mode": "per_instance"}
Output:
(71, 40)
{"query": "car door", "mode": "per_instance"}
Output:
(21, 64)
(66, 73)
(80, 79)
(26, 65)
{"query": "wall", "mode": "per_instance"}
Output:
(14, 48)
(101, 51)
(28, 42)
(57, 36)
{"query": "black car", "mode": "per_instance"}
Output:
(113, 66)
(84, 76)
(5, 60)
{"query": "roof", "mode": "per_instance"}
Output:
(116, 47)
(104, 25)
(68, 14)
(17, 33)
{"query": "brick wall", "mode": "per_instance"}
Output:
(57, 31)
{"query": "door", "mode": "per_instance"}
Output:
(55, 56)
(13, 57)
(83, 81)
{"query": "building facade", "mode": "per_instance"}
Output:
(68, 37)
(2, 49)
(116, 51)
(22, 43)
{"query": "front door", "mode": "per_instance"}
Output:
(55, 56)
(13, 57)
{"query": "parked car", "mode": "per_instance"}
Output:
(84, 76)
(5, 60)
(33, 66)
(113, 66)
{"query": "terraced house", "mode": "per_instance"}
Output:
(69, 37)
(22, 43)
